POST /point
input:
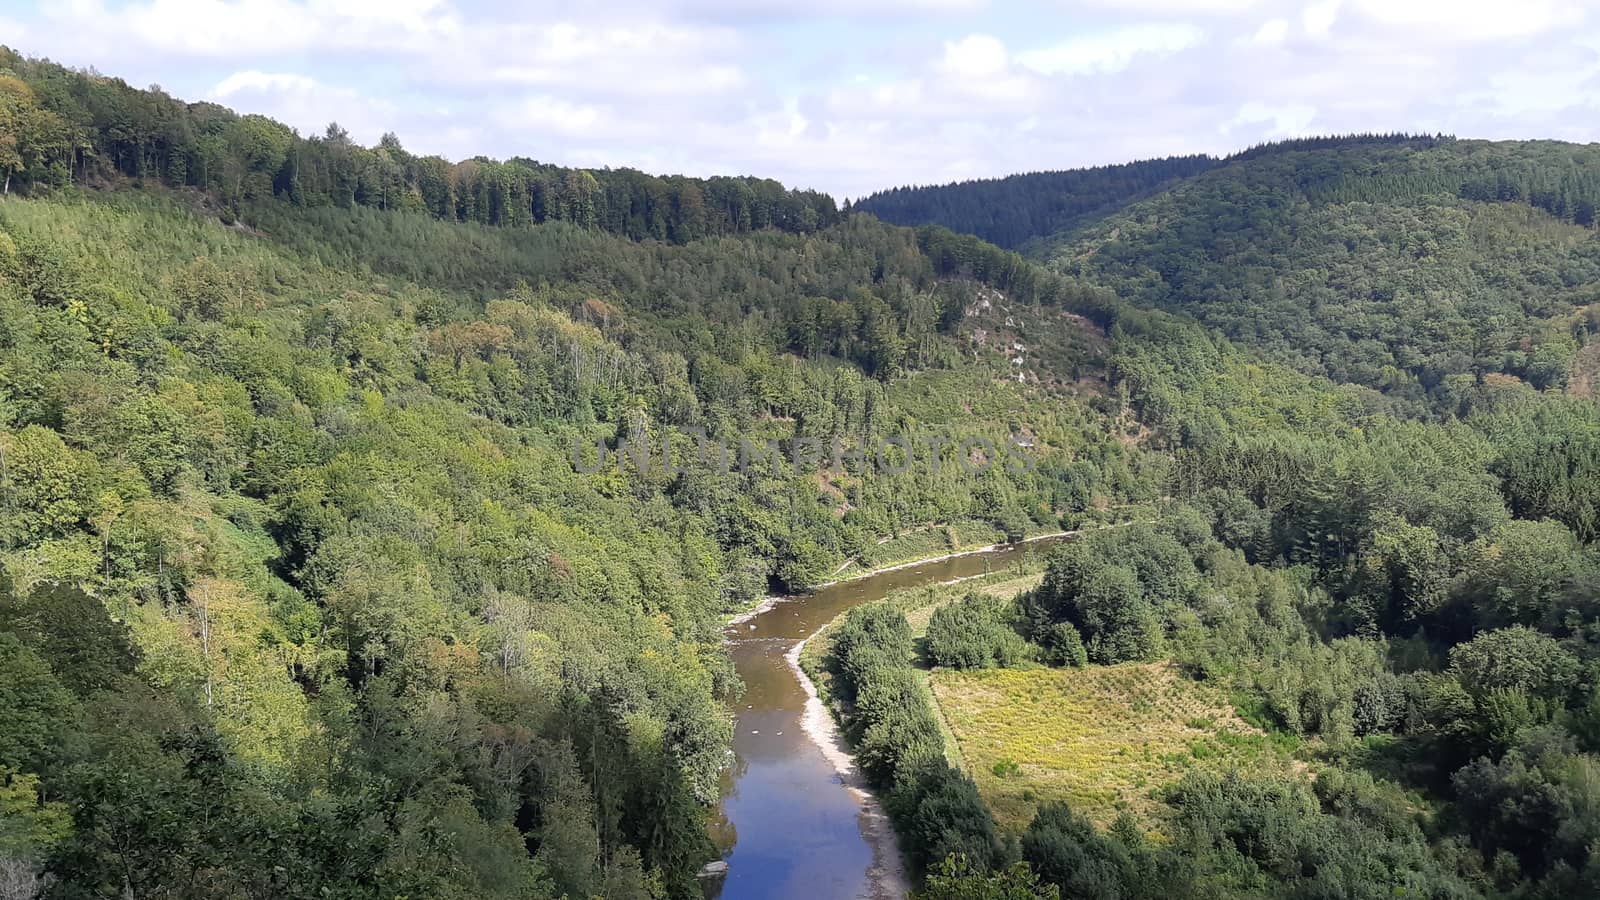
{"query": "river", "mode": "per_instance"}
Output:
(799, 822)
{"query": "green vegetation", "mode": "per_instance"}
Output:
(889, 720)
(304, 596)
(69, 127)
(1104, 739)
(1374, 263)
(1009, 211)
(973, 633)
(378, 636)
(335, 510)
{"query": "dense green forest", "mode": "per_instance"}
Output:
(1382, 550)
(1010, 211)
(1415, 268)
(304, 594)
(59, 127)
(1412, 264)
(335, 522)
(1375, 595)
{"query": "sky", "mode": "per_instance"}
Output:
(849, 96)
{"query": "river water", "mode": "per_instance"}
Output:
(797, 827)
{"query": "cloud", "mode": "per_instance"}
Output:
(1318, 18)
(848, 96)
(214, 28)
(254, 80)
(1177, 7)
(975, 56)
(16, 33)
(1288, 120)
(1469, 20)
(723, 11)
(646, 59)
(1272, 31)
(557, 115)
(304, 103)
(1112, 50)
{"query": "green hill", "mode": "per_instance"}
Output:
(1414, 268)
(304, 593)
(1416, 265)
(1013, 210)
(359, 615)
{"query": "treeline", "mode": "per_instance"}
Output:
(1565, 189)
(891, 724)
(59, 126)
(1012, 210)
(1016, 209)
(1341, 142)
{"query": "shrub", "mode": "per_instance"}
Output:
(974, 634)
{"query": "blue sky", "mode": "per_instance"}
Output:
(849, 95)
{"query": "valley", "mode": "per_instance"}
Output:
(304, 594)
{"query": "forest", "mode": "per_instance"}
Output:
(60, 127)
(1010, 211)
(302, 595)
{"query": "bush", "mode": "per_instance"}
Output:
(941, 814)
(897, 741)
(974, 633)
(1063, 646)
(1070, 853)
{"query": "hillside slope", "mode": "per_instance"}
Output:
(1414, 269)
(331, 496)
(1013, 210)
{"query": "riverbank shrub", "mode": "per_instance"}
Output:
(974, 633)
(890, 721)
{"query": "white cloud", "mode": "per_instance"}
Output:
(306, 104)
(744, 10)
(1272, 31)
(255, 80)
(16, 33)
(978, 67)
(552, 114)
(1470, 20)
(1177, 7)
(1287, 120)
(974, 56)
(1318, 18)
(218, 29)
(1112, 50)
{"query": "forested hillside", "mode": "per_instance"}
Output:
(1013, 210)
(1416, 267)
(59, 127)
(1402, 613)
(304, 594)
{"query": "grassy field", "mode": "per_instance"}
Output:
(918, 605)
(1104, 738)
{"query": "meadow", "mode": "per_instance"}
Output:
(1105, 739)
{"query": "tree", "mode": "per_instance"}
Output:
(1068, 852)
(957, 879)
(1515, 659)
(973, 633)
